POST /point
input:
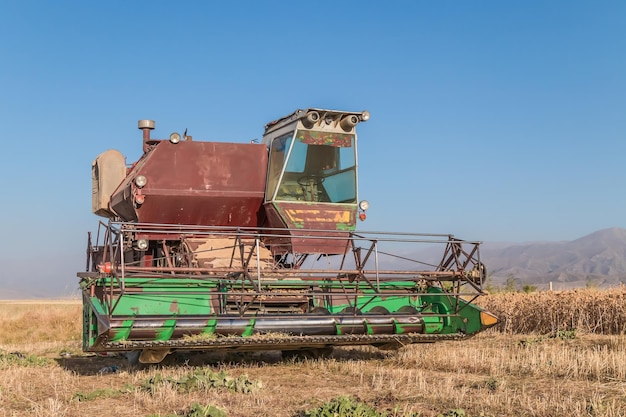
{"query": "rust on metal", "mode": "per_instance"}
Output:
(201, 183)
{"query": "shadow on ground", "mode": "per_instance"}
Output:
(93, 364)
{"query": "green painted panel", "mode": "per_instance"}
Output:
(250, 328)
(146, 296)
(123, 331)
(167, 330)
(175, 299)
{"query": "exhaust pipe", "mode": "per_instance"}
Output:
(146, 126)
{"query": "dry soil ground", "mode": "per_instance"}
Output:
(43, 372)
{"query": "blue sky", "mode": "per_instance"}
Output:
(491, 120)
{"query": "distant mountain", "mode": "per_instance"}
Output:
(598, 259)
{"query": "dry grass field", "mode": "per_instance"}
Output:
(562, 369)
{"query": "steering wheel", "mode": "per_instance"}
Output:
(310, 179)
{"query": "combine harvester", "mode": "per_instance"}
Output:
(246, 246)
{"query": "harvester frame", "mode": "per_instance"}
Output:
(250, 303)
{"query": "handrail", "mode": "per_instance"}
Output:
(459, 272)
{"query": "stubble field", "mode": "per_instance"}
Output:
(572, 363)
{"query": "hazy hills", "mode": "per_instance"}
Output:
(598, 259)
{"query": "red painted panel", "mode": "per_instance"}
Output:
(334, 220)
(203, 183)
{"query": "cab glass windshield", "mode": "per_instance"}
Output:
(313, 166)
